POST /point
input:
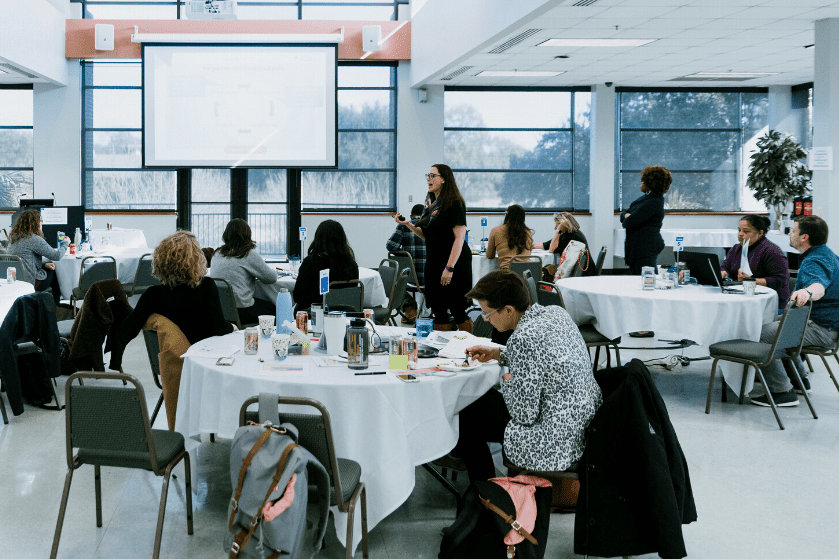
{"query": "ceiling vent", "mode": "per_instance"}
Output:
(584, 3)
(514, 41)
(457, 72)
(719, 79)
(15, 70)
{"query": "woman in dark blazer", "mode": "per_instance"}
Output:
(644, 218)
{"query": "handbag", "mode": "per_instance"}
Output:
(571, 257)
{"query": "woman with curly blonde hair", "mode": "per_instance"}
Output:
(27, 241)
(187, 297)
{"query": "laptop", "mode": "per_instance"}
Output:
(705, 267)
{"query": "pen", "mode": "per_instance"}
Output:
(371, 373)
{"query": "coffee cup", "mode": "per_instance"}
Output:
(266, 325)
(749, 286)
(279, 345)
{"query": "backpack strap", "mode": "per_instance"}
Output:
(509, 520)
(246, 462)
(269, 408)
(242, 538)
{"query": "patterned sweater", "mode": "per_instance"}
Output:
(551, 394)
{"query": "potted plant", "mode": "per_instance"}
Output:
(778, 172)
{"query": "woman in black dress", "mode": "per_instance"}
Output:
(644, 218)
(448, 261)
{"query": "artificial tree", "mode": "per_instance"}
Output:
(778, 172)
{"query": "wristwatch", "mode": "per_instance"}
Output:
(810, 293)
(450, 268)
(502, 359)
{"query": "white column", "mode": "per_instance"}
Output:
(602, 188)
(826, 123)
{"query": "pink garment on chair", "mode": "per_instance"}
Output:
(521, 490)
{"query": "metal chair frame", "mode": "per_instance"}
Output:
(101, 417)
(87, 277)
(791, 309)
(518, 264)
(601, 258)
(345, 301)
(824, 353)
(143, 278)
(405, 260)
(17, 262)
(331, 462)
(153, 350)
(228, 302)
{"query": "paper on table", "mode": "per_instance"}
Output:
(205, 349)
(456, 348)
(329, 362)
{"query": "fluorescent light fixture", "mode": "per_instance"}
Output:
(3, 72)
(595, 42)
(516, 74)
(730, 75)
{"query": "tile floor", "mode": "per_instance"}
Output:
(760, 492)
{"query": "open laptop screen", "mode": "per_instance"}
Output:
(703, 266)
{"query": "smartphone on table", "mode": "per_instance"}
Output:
(407, 378)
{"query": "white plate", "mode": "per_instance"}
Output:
(451, 367)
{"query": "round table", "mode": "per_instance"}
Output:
(11, 291)
(386, 425)
(374, 288)
(616, 305)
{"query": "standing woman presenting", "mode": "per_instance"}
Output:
(644, 218)
(448, 261)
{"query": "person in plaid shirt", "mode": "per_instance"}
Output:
(404, 239)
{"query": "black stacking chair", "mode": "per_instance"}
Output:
(346, 296)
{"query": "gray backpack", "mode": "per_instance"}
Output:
(262, 461)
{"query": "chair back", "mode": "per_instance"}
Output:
(109, 422)
(400, 287)
(143, 279)
(481, 328)
(315, 434)
(531, 286)
(518, 264)
(12, 261)
(153, 350)
(548, 294)
(228, 302)
(387, 270)
(405, 260)
(790, 335)
(104, 269)
(601, 258)
(346, 296)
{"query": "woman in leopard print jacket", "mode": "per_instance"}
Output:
(549, 395)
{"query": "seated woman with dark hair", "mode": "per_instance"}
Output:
(513, 238)
(549, 394)
(27, 241)
(329, 249)
(757, 257)
(238, 262)
(188, 297)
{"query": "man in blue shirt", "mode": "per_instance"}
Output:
(404, 239)
(817, 280)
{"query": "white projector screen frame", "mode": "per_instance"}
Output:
(240, 105)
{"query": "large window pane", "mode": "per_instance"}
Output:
(114, 74)
(366, 150)
(582, 148)
(508, 150)
(14, 185)
(508, 109)
(349, 13)
(210, 185)
(267, 185)
(16, 147)
(365, 109)
(684, 151)
(267, 12)
(680, 110)
(116, 149)
(116, 108)
(208, 223)
(130, 190)
(16, 107)
(347, 190)
(711, 191)
(531, 190)
(365, 76)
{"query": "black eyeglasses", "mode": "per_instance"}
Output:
(431, 175)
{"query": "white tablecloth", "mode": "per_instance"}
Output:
(68, 268)
(386, 425)
(11, 291)
(374, 288)
(616, 305)
(118, 238)
(481, 265)
(712, 238)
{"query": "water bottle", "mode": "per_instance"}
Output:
(77, 238)
(357, 344)
(284, 311)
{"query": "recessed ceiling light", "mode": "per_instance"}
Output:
(730, 75)
(595, 42)
(516, 74)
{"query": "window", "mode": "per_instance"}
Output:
(113, 177)
(366, 174)
(703, 137)
(16, 151)
(527, 147)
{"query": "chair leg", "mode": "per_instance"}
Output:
(212, 437)
(97, 482)
(596, 359)
(156, 409)
(826, 366)
(711, 386)
(61, 510)
(365, 552)
(770, 399)
(801, 384)
(158, 535)
(6, 416)
(807, 359)
(742, 385)
(53, 385)
(617, 354)
(188, 472)
(608, 357)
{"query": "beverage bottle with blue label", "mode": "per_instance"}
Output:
(284, 311)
